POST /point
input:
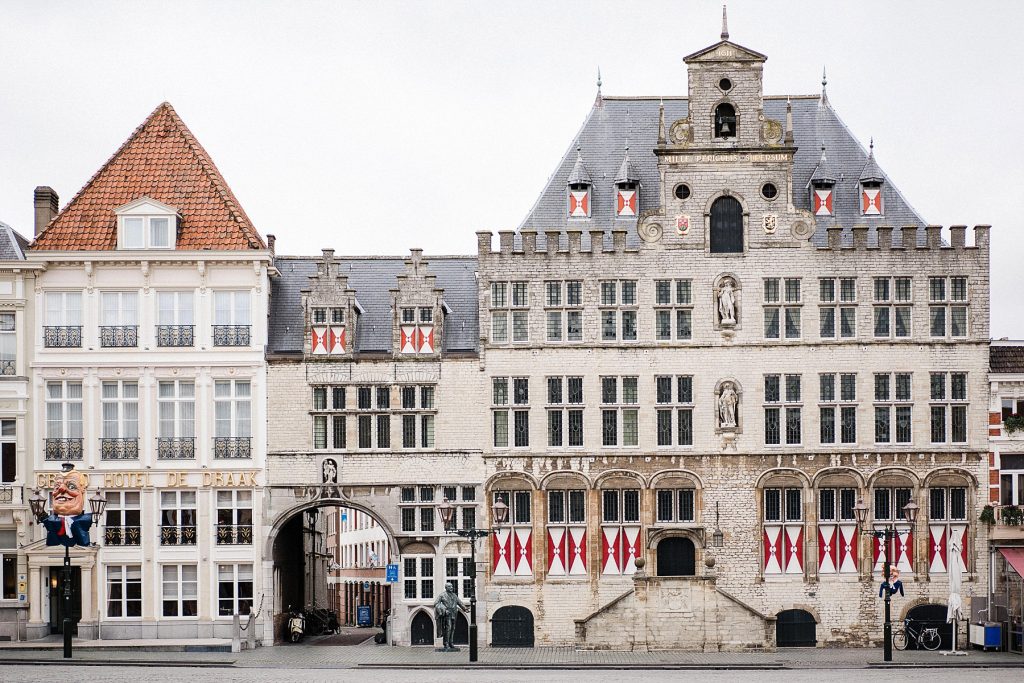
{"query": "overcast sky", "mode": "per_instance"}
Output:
(373, 127)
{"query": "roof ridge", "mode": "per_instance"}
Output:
(684, 98)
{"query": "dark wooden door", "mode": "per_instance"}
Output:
(676, 557)
(422, 629)
(726, 226)
(57, 599)
(512, 627)
(930, 616)
(461, 636)
(795, 628)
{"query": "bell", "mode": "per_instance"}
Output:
(726, 129)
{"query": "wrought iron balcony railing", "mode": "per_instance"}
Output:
(63, 449)
(177, 535)
(62, 336)
(231, 335)
(175, 448)
(232, 447)
(8, 366)
(234, 534)
(119, 336)
(175, 335)
(119, 449)
(122, 535)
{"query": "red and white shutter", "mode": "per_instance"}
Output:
(794, 550)
(937, 549)
(577, 550)
(847, 542)
(501, 553)
(556, 551)
(828, 549)
(611, 558)
(822, 202)
(426, 339)
(336, 339)
(319, 340)
(905, 552)
(579, 203)
(625, 202)
(630, 548)
(871, 201)
(409, 334)
(773, 559)
(879, 552)
(523, 551)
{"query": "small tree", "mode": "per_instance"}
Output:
(1014, 423)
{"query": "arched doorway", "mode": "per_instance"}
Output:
(931, 616)
(461, 630)
(795, 628)
(726, 226)
(422, 629)
(512, 626)
(676, 557)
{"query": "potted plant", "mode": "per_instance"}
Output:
(1014, 423)
(988, 515)
(1012, 515)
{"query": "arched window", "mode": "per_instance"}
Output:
(726, 226)
(676, 557)
(725, 121)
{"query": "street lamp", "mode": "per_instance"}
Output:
(499, 515)
(717, 538)
(888, 534)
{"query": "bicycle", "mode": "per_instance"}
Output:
(928, 638)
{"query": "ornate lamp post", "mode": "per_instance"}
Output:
(67, 525)
(499, 515)
(888, 534)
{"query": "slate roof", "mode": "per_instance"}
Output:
(161, 160)
(1006, 357)
(12, 245)
(614, 122)
(372, 278)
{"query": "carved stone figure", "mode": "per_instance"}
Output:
(446, 609)
(727, 301)
(727, 402)
(330, 471)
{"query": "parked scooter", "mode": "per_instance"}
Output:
(296, 626)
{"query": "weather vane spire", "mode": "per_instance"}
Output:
(725, 24)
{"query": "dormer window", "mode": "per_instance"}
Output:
(725, 121)
(319, 316)
(579, 200)
(147, 224)
(871, 198)
(822, 197)
(408, 315)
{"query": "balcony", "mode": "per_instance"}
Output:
(63, 449)
(119, 449)
(8, 366)
(234, 534)
(175, 335)
(122, 535)
(119, 336)
(175, 448)
(62, 336)
(232, 447)
(1009, 522)
(177, 535)
(231, 335)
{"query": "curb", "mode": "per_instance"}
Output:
(120, 662)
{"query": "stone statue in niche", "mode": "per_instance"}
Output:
(727, 301)
(728, 400)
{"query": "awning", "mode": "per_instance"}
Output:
(1015, 556)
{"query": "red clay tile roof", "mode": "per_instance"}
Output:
(161, 160)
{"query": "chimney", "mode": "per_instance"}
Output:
(46, 202)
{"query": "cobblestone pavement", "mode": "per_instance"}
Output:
(59, 673)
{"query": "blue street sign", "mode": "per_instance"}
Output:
(392, 573)
(366, 585)
(363, 615)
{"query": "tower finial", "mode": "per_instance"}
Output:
(661, 121)
(789, 122)
(871, 147)
(725, 24)
(824, 83)
(599, 79)
(599, 99)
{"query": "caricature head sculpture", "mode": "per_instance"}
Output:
(69, 492)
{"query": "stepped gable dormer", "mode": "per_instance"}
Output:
(627, 189)
(579, 186)
(821, 186)
(871, 181)
(331, 311)
(419, 310)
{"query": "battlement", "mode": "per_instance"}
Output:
(908, 238)
(553, 242)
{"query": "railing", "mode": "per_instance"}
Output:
(8, 366)
(7, 494)
(231, 335)
(122, 336)
(232, 447)
(175, 448)
(234, 534)
(177, 535)
(62, 336)
(119, 449)
(122, 535)
(63, 449)
(175, 335)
